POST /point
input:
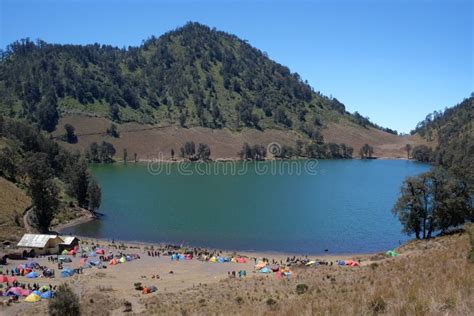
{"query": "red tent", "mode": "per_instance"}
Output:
(100, 251)
(3, 279)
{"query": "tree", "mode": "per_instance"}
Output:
(79, 182)
(115, 112)
(366, 151)
(172, 154)
(113, 131)
(106, 152)
(70, 135)
(48, 115)
(94, 194)
(8, 167)
(408, 149)
(203, 152)
(422, 153)
(125, 155)
(42, 189)
(188, 150)
(65, 302)
(433, 201)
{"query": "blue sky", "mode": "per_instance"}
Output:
(394, 61)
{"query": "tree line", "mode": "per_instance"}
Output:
(440, 199)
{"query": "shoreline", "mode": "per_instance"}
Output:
(85, 217)
(244, 253)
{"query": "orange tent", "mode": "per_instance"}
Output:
(112, 262)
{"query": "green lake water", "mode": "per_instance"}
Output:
(300, 206)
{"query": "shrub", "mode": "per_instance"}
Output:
(377, 304)
(301, 289)
(239, 300)
(65, 302)
(271, 302)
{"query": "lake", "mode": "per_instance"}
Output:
(300, 207)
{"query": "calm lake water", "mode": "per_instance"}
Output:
(300, 207)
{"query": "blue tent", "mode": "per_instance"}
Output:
(95, 263)
(220, 259)
(341, 262)
(32, 275)
(174, 257)
(47, 294)
(92, 254)
(265, 270)
(36, 292)
(181, 257)
(66, 273)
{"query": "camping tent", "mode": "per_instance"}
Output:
(32, 275)
(44, 288)
(64, 252)
(241, 260)
(100, 251)
(264, 270)
(122, 260)
(18, 291)
(113, 262)
(65, 259)
(3, 278)
(92, 254)
(274, 267)
(66, 273)
(391, 253)
(32, 298)
(47, 294)
(213, 259)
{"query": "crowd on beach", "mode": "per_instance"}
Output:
(93, 256)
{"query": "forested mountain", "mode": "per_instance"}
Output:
(192, 76)
(453, 130)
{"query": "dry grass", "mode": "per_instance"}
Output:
(13, 202)
(149, 141)
(431, 278)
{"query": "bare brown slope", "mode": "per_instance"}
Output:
(13, 202)
(151, 142)
(385, 145)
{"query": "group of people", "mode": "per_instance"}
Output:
(240, 274)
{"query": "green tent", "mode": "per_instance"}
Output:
(391, 253)
(64, 253)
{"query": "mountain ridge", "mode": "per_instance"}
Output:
(191, 76)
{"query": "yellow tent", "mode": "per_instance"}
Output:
(122, 260)
(311, 263)
(32, 298)
(233, 260)
(213, 259)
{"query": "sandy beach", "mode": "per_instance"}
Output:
(174, 276)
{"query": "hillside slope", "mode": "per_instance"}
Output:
(452, 133)
(191, 77)
(155, 142)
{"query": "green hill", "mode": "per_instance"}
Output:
(453, 133)
(192, 76)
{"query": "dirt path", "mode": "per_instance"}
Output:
(26, 220)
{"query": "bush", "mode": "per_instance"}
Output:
(377, 304)
(271, 302)
(65, 302)
(239, 300)
(301, 289)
